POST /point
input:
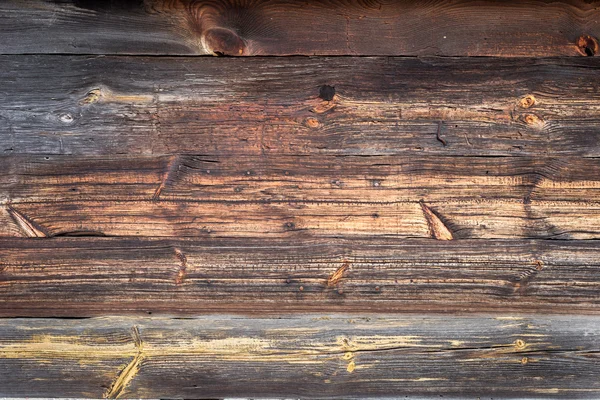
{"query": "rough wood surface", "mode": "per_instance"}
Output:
(464, 219)
(287, 27)
(349, 356)
(291, 196)
(98, 276)
(175, 226)
(256, 106)
(56, 178)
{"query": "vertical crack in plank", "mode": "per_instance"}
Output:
(130, 371)
(439, 132)
(182, 268)
(30, 228)
(172, 169)
(437, 229)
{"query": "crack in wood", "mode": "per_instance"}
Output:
(171, 170)
(30, 228)
(337, 276)
(130, 371)
(438, 133)
(182, 268)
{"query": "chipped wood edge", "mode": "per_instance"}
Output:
(30, 228)
(437, 229)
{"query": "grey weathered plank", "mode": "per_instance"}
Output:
(97, 276)
(285, 27)
(257, 106)
(316, 356)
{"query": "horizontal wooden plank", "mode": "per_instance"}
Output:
(257, 106)
(287, 196)
(286, 27)
(97, 276)
(375, 179)
(462, 219)
(318, 356)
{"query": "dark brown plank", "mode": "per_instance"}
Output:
(257, 106)
(98, 276)
(287, 27)
(319, 356)
(287, 196)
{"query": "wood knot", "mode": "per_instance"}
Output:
(351, 366)
(66, 118)
(520, 344)
(533, 120)
(587, 45)
(312, 123)
(326, 92)
(527, 101)
(223, 42)
(326, 101)
(91, 97)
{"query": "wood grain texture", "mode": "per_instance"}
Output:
(475, 219)
(256, 106)
(98, 276)
(286, 27)
(174, 226)
(297, 196)
(319, 356)
(56, 178)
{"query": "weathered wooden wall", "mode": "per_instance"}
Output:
(419, 221)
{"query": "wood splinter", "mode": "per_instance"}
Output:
(30, 228)
(437, 229)
(337, 276)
